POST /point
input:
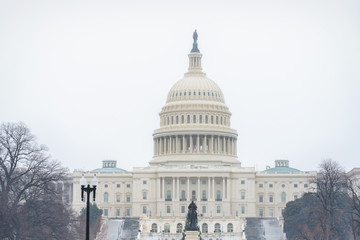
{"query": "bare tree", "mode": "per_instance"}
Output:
(353, 188)
(330, 184)
(27, 175)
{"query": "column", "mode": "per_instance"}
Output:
(176, 144)
(160, 145)
(188, 189)
(235, 148)
(229, 146)
(205, 145)
(224, 145)
(208, 194)
(178, 188)
(174, 190)
(170, 144)
(218, 143)
(228, 186)
(183, 142)
(158, 188)
(191, 144)
(198, 143)
(212, 144)
(198, 187)
(223, 190)
(213, 188)
(163, 188)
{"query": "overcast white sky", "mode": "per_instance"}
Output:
(90, 77)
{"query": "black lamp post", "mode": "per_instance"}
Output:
(88, 190)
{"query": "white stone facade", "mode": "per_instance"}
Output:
(195, 158)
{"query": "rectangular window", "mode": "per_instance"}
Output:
(193, 182)
(118, 185)
(117, 212)
(168, 181)
(295, 185)
(203, 209)
(260, 185)
(182, 181)
(242, 195)
(144, 210)
(242, 181)
(261, 198)
(117, 197)
(203, 181)
(270, 185)
(144, 182)
(218, 181)
(200, 119)
(305, 185)
(295, 197)
(271, 198)
(206, 119)
(182, 209)
(218, 209)
(242, 209)
(194, 119)
(168, 209)
(128, 212)
(106, 212)
(144, 195)
(128, 185)
(271, 212)
(261, 212)
(127, 198)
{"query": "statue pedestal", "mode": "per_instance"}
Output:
(192, 235)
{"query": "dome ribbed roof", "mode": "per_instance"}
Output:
(195, 87)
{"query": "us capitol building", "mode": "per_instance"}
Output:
(195, 158)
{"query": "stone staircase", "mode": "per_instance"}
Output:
(263, 229)
(119, 229)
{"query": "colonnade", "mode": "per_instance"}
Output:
(212, 144)
(209, 188)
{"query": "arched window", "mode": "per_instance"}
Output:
(217, 228)
(221, 120)
(177, 119)
(168, 195)
(154, 228)
(204, 228)
(212, 119)
(200, 119)
(194, 119)
(182, 119)
(193, 195)
(217, 120)
(218, 195)
(230, 227)
(206, 119)
(188, 119)
(167, 227)
(179, 228)
(283, 197)
(106, 197)
(183, 195)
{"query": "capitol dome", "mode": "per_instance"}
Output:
(195, 87)
(195, 121)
